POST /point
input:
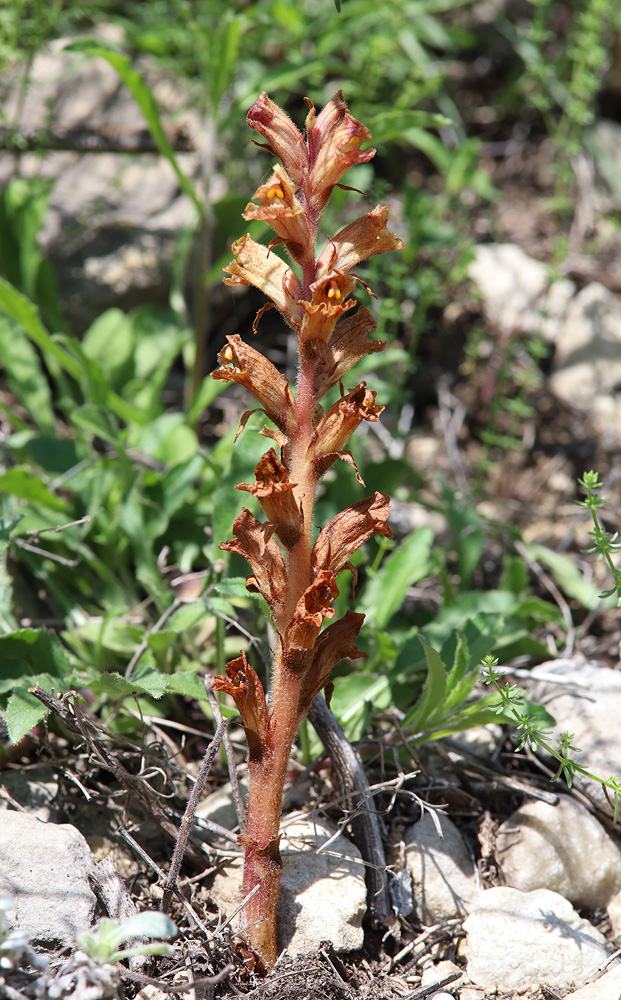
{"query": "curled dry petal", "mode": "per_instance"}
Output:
(348, 530)
(280, 207)
(255, 265)
(349, 342)
(333, 139)
(241, 363)
(283, 138)
(314, 605)
(363, 238)
(328, 303)
(243, 685)
(253, 540)
(336, 643)
(339, 423)
(274, 490)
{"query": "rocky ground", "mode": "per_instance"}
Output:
(503, 885)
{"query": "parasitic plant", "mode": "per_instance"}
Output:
(296, 577)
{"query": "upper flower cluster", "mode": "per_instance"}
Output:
(297, 578)
(292, 201)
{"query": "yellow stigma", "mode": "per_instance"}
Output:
(333, 293)
(275, 193)
(227, 354)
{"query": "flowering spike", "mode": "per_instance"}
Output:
(297, 579)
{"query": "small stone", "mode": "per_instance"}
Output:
(588, 705)
(219, 807)
(322, 896)
(470, 993)
(44, 868)
(435, 974)
(587, 361)
(518, 939)
(614, 913)
(518, 294)
(563, 848)
(442, 870)
(607, 987)
(34, 788)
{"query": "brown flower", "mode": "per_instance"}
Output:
(349, 342)
(339, 422)
(253, 540)
(328, 303)
(257, 265)
(333, 140)
(336, 643)
(243, 685)
(348, 530)
(274, 490)
(314, 605)
(250, 369)
(280, 207)
(363, 238)
(283, 138)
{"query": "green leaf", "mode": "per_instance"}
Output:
(393, 124)
(22, 713)
(188, 684)
(567, 575)
(96, 420)
(141, 93)
(24, 375)
(19, 308)
(404, 567)
(432, 698)
(22, 483)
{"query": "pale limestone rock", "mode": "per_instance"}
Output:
(518, 939)
(607, 987)
(614, 912)
(563, 848)
(588, 705)
(44, 869)
(518, 293)
(587, 360)
(322, 896)
(442, 870)
(435, 974)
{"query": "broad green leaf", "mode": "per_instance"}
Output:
(434, 690)
(186, 617)
(567, 575)
(188, 684)
(24, 375)
(22, 713)
(385, 592)
(21, 309)
(98, 421)
(208, 391)
(21, 482)
(109, 343)
(141, 93)
(393, 124)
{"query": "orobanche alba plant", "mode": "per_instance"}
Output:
(296, 577)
